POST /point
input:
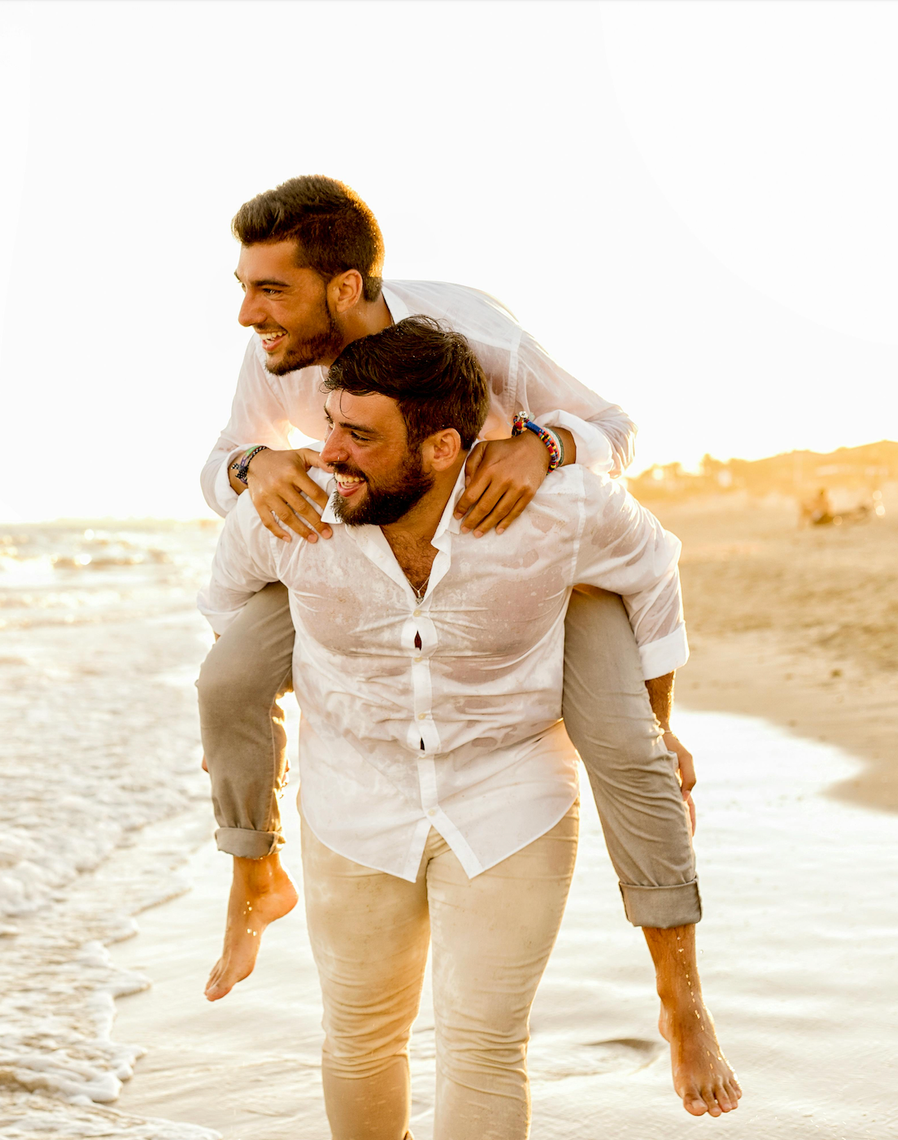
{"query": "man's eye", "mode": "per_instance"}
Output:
(272, 292)
(360, 438)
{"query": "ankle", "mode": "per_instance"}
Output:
(257, 874)
(680, 995)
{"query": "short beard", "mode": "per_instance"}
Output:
(384, 506)
(325, 345)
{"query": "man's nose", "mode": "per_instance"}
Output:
(251, 312)
(333, 451)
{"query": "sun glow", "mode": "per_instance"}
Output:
(710, 252)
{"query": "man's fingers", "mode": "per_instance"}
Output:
(476, 485)
(271, 520)
(516, 511)
(280, 516)
(485, 504)
(687, 770)
(303, 517)
(472, 465)
(685, 763)
(690, 808)
(504, 512)
(310, 488)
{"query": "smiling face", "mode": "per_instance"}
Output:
(287, 306)
(378, 478)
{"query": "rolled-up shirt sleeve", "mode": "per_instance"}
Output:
(245, 560)
(604, 434)
(623, 548)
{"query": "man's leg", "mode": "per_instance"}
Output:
(610, 721)
(701, 1073)
(369, 933)
(492, 936)
(245, 674)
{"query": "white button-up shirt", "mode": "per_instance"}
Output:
(445, 712)
(279, 410)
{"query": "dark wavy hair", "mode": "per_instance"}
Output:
(333, 228)
(427, 368)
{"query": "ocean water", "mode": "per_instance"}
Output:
(99, 644)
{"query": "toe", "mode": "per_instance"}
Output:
(216, 990)
(694, 1105)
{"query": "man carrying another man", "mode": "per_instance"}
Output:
(310, 263)
(438, 786)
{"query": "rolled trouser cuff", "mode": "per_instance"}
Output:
(248, 844)
(662, 907)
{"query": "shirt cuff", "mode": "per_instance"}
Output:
(225, 495)
(664, 655)
(218, 619)
(593, 446)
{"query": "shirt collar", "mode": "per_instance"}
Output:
(399, 310)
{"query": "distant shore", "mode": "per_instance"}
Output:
(796, 625)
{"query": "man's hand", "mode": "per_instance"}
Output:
(276, 482)
(501, 477)
(685, 771)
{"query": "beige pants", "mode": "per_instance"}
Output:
(606, 711)
(492, 936)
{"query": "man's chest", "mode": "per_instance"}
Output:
(482, 601)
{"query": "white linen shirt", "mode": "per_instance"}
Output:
(461, 732)
(278, 410)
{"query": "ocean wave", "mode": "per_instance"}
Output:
(102, 800)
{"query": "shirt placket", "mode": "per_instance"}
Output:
(423, 735)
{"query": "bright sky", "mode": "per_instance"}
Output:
(691, 205)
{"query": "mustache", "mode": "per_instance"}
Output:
(348, 469)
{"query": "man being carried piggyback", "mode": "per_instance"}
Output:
(310, 264)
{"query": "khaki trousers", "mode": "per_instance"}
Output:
(606, 712)
(491, 935)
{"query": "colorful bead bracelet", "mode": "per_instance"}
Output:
(522, 422)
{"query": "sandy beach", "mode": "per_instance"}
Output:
(786, 702)
(795, 625)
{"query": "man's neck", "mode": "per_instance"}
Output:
(366, 318)
(418, 525)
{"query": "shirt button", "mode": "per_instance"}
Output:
(416, 613)
(422, 716)
(433, 811)
(419, 658)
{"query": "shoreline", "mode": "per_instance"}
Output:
(796, 626)
(820, 699)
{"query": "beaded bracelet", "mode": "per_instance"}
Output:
(240, 467)
(552, 441)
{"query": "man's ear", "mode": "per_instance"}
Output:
(440, 450)
(345, 291)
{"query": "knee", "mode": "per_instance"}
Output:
(476, 1055)
(364, 1048)
(615, 742)
(227, 681)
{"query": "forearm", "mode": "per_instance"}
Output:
(660, 690)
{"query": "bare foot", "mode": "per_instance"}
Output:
(701, 1074)
(261, 892)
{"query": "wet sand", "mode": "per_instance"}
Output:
(795, 625)
(801, 985)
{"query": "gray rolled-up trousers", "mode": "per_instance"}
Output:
(606, 711)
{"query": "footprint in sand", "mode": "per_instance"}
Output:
(630, 1053)
(594, 1058)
